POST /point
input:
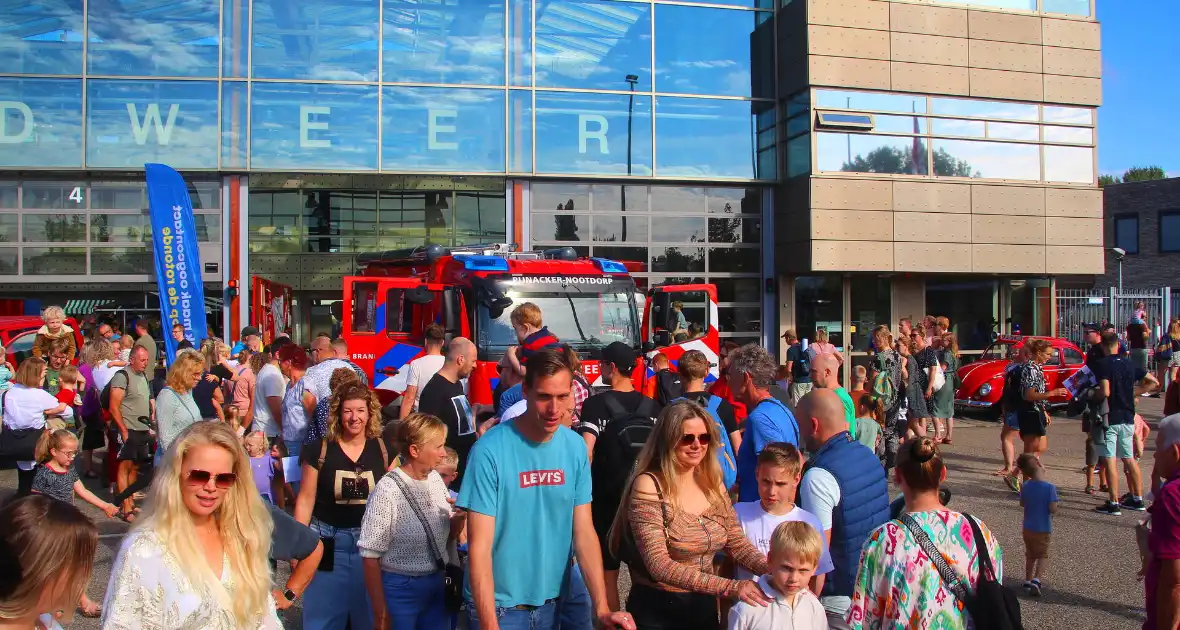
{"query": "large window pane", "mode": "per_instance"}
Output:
(1069, 115)
(993, 160)
(622, 254)
(443, 129)
(208, 227)
(118, 196)
(274, 222)
(591, 133)
(1013, 131)
(119, 228)
(156, 38)
(970, 304)
(984, 109)
(120, 260)
(869, 101)
(677, 259)
(704, 138)
(1126, 233)
(41, 261)
(520, 131)
(8, 227)
(8, 194)
(133, 122)
(333, 40)
(702, 50)
(677, 199)
(871, 300)
(954, 127)
(612, 198)
(1072, 135)
(444, 41)
(594, 45)
(735, 230)
(857, 153)
(54, 228)
(739, 319)
(8, 261)
(40, 122)
(313, 126)
(622, 228)
(1024, 5)
(680, 230)
(53, 195)
(734, 260)
(561, 227)
(1068, 7)
(1169, 233)
(41, 36)
(819, 303)
(738, 289)
(1069, 164)
(562, 196)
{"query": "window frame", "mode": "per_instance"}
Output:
(1160, 232)
(1115, 230)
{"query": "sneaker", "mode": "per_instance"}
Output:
(1110, 507)
(1126, 497)
(1133, 504)
(1034, 588)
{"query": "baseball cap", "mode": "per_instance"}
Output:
(250, 330)
(619, 354)
(1091, 326)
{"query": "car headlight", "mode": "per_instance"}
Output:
(985, 389)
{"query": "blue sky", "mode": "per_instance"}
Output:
(1137, 123)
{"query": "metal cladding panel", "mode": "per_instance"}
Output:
(932, 257)
(933, 49)
(913, 77)
(1005, 56)
(1016, 200)
(909, 196)
(1008, 258)
(929, 20)
(1022, 86)
(1007, 229)
(1004, 27)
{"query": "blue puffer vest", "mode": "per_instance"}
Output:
(863, 506)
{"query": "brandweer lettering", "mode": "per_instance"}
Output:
(531, 478)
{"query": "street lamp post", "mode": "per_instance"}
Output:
(631, 80)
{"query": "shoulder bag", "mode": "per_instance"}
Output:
(992, 605)
(18, 444)
(452, 574)
(628, 550)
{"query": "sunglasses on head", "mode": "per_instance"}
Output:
(700, 438)
(202, 477)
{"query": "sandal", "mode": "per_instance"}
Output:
(128, 518)
(1090, 489)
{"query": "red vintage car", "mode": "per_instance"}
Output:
(982, 381)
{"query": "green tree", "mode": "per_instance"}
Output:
(900, 161)
(1144, 174)
(1107, 180)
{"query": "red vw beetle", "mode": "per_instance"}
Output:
(983, 380)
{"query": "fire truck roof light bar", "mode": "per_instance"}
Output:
(609, 266)
(483, 263)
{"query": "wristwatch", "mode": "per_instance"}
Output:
(290, 595)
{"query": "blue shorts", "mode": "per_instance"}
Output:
(1012, 420)
(1119, 442)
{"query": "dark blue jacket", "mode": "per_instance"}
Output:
(863, 506)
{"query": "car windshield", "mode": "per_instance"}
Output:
(1000, 350)
(583, 320)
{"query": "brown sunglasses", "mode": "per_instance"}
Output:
(223, 481)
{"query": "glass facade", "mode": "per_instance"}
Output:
(667, 234)
(83, 226)
(942, 137)
(579, 87)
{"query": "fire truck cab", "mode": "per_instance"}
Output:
(471, 291)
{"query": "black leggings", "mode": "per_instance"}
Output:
(654, 609)
(24, 482)
(146, 470)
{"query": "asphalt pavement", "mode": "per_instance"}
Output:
(1090, 584)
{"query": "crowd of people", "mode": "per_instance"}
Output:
(760, 500)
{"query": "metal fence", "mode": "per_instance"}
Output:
(1077, 307)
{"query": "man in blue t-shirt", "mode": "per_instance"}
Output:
(751, 373)
(1121, 381)
(527, 489)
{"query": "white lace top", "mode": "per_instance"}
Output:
(148, 591)
(391, 531)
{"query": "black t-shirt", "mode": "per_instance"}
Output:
(1095, 354)
(448, 402)
(344, 486)
(203, 396)
(291, 539)
(1137, 336)
(1122, 375)
(596, 414)
(221, 372)
(668, 386)
(724, 411)
(184, 344)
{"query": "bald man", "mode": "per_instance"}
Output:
(825, 371)
(844, 485)
(444, 397)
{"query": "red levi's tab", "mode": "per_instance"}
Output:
(531, 478)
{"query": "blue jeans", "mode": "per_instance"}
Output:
(574, 609)
(539, 618)
(415, 602)
(337, 597)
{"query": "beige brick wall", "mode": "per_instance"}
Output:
(952, 50)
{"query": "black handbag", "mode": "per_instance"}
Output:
(18, 444)
(452, 574)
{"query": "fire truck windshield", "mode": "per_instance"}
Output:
(583, 320)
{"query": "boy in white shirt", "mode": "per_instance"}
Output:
(795, 549)
(778, 473)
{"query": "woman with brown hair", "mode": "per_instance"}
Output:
(26, 406)
(1169, 346)
(47, 550)
(1033, 412)
(944, 399)
(896, 585)
(339, 473)
(675, 517)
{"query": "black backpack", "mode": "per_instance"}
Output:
(992, 605)
(104, 398)
(615, 453)
(802, 367)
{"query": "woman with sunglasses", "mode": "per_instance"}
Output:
(340, 471)
(198, 556)
(921, 390)
(674, 520)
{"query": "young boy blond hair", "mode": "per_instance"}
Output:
(531, 333)
(1039, 499)
(795, 549)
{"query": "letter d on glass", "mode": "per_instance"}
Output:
(306, 125)
(599, 134)
(26, 114)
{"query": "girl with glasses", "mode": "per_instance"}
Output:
(198, 555)
(674, 519)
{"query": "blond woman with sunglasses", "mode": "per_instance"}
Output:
(198, 556)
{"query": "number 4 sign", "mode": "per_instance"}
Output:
(76, 195)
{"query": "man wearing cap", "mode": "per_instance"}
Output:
(252, 338)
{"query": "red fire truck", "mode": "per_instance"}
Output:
(471, 291)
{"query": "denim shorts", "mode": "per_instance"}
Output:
(1012, 421)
